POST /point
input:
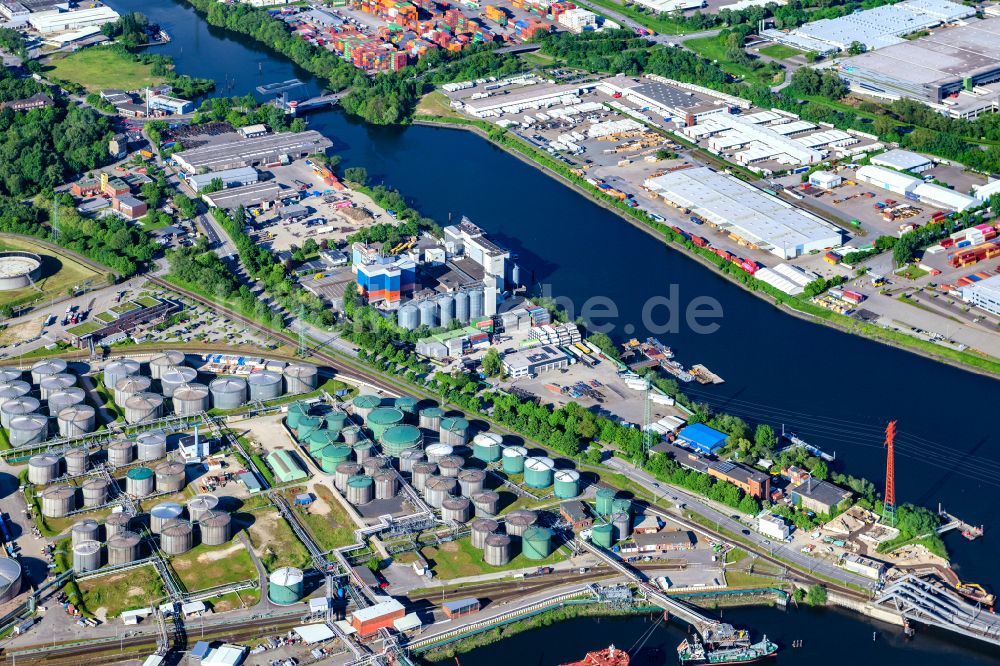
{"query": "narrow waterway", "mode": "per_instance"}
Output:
(836, 390)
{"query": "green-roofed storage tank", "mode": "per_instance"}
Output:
(364, 404)
(567, 483)
(430, 418)
(454, 431)
(320, 439)
(602, 535)
(406, 404)
(605, 501)
(296, 411)
(360, 489)
(333, 455)
(486, 446)
(398, 438)
(307, 425)
(382, 419)
(621, 505)
(335, 421)
(536, 543)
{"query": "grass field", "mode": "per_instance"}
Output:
(97, 69)
(712, 48)
(436, 103)
(779, 51)
(275, 543)
(331, 529)
(912, 272)
(117, 593)
(59, 273)
(457, 559)
(208, 566)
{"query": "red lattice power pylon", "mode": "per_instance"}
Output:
(889, 502)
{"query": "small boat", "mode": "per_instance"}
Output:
(693, 651)
(609, 656)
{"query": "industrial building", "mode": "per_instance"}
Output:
(578, 20)
(753, 483)
(576, 514)
(367, 621)
(903, 160)
(286, 468)
(772, 526)
(174, 105)
(787, 278)
(460, 607)
(535, 361)
(36, 101)
(560, 334)
(240, 151)
(864, 566)
(668, 6)
(701, 438)
(254, 194)
(381, 277)
(915, 188)
(57, 20)
(984, 294)
(680, 103)
(662, 542)
(819, 496)
(228, 178)
(467, 240)
(130, 207)
(741, 209)
(537, 96)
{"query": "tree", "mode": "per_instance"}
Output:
(357, 175)
(816, 595)
(764, 438)
(492, 365)
(856, 48)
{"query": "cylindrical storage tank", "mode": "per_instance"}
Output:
(487, 503)
(12, 391)
(351, 435)
(199, 505)
(162, 514)
(128, 386)
(120, 454)
(307, 426)
(622, 524)
(177, 537)
(143, 407)
(360, 489)
(284, 586)
(228, 392)
(116, 370)
(567, 483)
(538, 472)
(405, 404)
(513, 459)
(458, 509)
(605, 501)
(436, 452)
(10, 579)
(462, 306)
(18, 407)
(486, 446)
(408, 317)
(43, 468)
(373, 464)
(428, 313)
(408, 457)
(77, 461)
(140, 481)
(519, 521)
(421, 472)
(190, 399)
(515, 275)
(173, 378)
(28, 429)
(438, 488)
(399, 438)
(170, 477)
(450, 466)
(57, 501)
(383, 418)
(321, 438)
(163, 360)
(95, 492)
(536, 543)
(602, 535)
(301, 378)
(332, 456)
(496, 550)
(446, 309)
(216, 528)
(54, 383)
(430, 418)
(386, 484)
(477, 303)
(10, 374)
(345, 471)
(482, 528)
(77, 420)
(64, 399)
(364, 404)
(335, 421)
(622, 505)
(52, 366)
(362, 451)
(116, 523)
(296, 411)
(471, 481)
(87, 556)
(123, 548)
(264, 386)
(151, 446)
(454, 431)
(87, 529)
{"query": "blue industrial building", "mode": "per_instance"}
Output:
(701, 438)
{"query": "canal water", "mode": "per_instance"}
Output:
(835, 390)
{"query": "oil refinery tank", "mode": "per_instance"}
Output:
(10, 374)
(458, 509)
(454, 431)
(335, 421)
(163, 360)
(538, 472)
(351, 435)
(567, 483)
(141, 407)
(344, 472)
(360, 489)
(332, 456)
(201, 504)
(264, 386)
(10, 579)
(18, 407)
(477, 303)
(190, 399)
(28, 429)
(399, 438)
(120, 453)
(421, 472)
(364, 404)
(296, 411)
(43, 468)
(116, 523)
(216, 528)
(301, 378)
(438, 488)
(519, 521)
(12, 391)
(603, 535)
(621, 505)
(140, 482)
(487, 503)
(57, 501)
(386, 484)
(482, 528)
(163, 514)
(450, 466)
(446, 309)
(52, 366)
(605, 501)
(436, 452)
(373, 464)
(170, 477)
(382, 419)
(496, 550)
(307, 425)
(173, 378)
(462, 306)
(408, 457)
(284, 586)
(151, 445)
(95, 492)
(77, 420)
(87, 556)
(54, 383)
(228, 392)
(428, 313)
(622, 524)
(127, 386)
(77, 460)
(118, 369)
(67, 397)
(406, 404)
(123, 548)
(321, 438)
(536, 543)
(471, 481)
(177, 537)
(513, 459)
(430, 418)
(87, 529)
(408, 317)
(486, 446)
(362, 451)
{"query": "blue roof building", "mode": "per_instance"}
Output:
(701, 438)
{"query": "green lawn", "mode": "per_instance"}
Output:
(912, 272)
(208, 566)
(712, 48)
(332, 529)
(779, 51)
(276, 544)
(136, 588)
(98, 69)
(457, 559)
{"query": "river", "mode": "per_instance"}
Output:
(836, 390)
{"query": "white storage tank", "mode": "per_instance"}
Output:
(428, 313)
(170, 477)
(52, 366)
(476, 303)
(143, 407)
(77, 420)
(43, 468)
(228, 392)
(421, 472)
(437, 488)
(28, 429)
(190, 399)
(301, 378)
(386, 484)
(87, 556)
(496, 550)
(123, 548)
(457, 509)
(129, 386)
(446, 309)
(436, 452)
(116, 370)
(162, 514)
(12, 391)
(116, 523)
(55, 383)
(471, 481)
(57, 501)
(487, 503)
(68, 397)
(77, 461)
(11, 579)
(120, 453)
(482, 528)
(87, 529)
(462, 307)
(18, 407)
(163, 360)
(408, 317)
(95, 492)
(177, 537)
(173, 378)
(10, 374)
(450, 465)
(216, 528)
(199, 505)
(408, 457)
(151, 445)
(264, 386)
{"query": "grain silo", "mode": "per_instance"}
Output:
(438, 488)
(538, 472)
(454, 431)
(536, 543)
(482, 528)
(496, 550)
(120, 453)
(68, 397)
(450, 465)
(77, 460)
(360, 489)
(462, 306)
(362, 451)
(18, 407)
(44, 468)
(128, 386)
(284, 586)
(228, 392)
(519, 521)
(177, 537)
(28, 429)
(332, 456)
(95, 492)
(264, 386)
(567, 483)
(173, 378)
(471, 481)
(141, 407)
(11, 579)
(151, 445)
(190, 399)
(87, 556)
(52, 366)
(140, 482)
(383, 418)
(163, 360)
(446, 309)
(12, 391)
(116, 523)
(57, 501)
(428, 313)
(373, 465)
(364, 404)
(164, 513)
(386, 484)
(422, 471)
(605, 501)
(10, 374)
(602, 535)
(77, 420)
(477, 303)
(351, 435)
(408, 317)
(123, 548)
(216, 528)
(399, 438)
(51, 384)
(486, 446)
(170, 477)
(116, 370)
(430, 418)
(301, 378)
(408, 457)
(344, 472)
(406, 404)
(487, 503)
(87, 529)
(201, 504)
(457, 509)
(436, 452)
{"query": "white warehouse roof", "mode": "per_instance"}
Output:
(887, 179)
(903, 160)
(984, 192)
(942, 197)
(58, 21)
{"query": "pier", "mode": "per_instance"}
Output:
(950, 522)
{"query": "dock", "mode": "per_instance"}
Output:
(704, 375)
(950, 522)
(279, 87)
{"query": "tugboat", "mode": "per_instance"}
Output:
(609, 656)
(693, 651)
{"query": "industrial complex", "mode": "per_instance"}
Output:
(235, 151)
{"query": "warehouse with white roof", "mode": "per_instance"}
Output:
(903, 160)
(915, 188)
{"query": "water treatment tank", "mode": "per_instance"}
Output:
(28, 430)
(438, 488)
(454, 431)
(351, 435)
(87, 529)
(605, 501)
(164, 513)
(436, 452)
(57, 501)
(190, 399)
(284, 586)
(177, 537)
(622, 524)
(95, 492)
(373, 465)
(362, 451)
(408, 317)
(116, 523)
(343, 473)
(173, 378)
(621, 505)
(296, 411)
(398, 438)
(141, 407)
(458, 509)
(216, 528)
(450, 466)
(301, 378)
(462, 307)
(421, 472)
(116, 370)
(332, 456)
(477, 301)
(513, 459)
(170, 477)
(496, 550)
(321, 438)
(486, 446)
(77, 460)
(364, 404)
(487, 503)
(43, 468)
(18, 407)
(228, 392)
(482, 528)
(52, 366)
(408, 457)
(386, 484)
(428, 313)
(87, 556)
(10, 374)
(163, 360)
(140, 481)
(602, 535)
(264, 386)
(538, 472)
(123, 548)
(201, 504)
(128, 386)
(360, 490)
(379, 420)
(536, 543)
(68, 397)
(471, 481)
(430, 418)
(120, 453)
(77, 420)
(446, 309)
(12, 391)
(567, 483)
(519, 521)
(55, 383)
(10, 579)
(151, 445)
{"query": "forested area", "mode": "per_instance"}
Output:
(243, 111)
